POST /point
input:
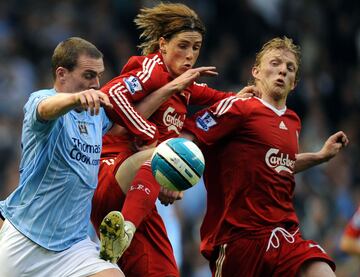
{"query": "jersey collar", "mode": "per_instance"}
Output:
(271, 107)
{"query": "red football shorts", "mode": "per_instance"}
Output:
(258, 257)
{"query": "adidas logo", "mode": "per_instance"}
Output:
(282, 125)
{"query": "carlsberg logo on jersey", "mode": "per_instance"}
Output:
(173, 121)
(81, 152)
(279, 161)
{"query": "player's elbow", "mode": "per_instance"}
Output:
(41, 111)
(45, 111)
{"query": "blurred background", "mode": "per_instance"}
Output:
(327, 97)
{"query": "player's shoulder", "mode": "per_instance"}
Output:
(139, 62)
(248, 102)
(251, 106)
(293, 114)
(41, 94)
(232, 104)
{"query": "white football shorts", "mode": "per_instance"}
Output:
(19, 256)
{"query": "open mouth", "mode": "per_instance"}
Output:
(280, 82)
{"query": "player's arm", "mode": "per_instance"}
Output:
(206, 96)
(154, 100)
(140, 77)
(147, 106)
(202, 95)
(331, 147)
(57, 105)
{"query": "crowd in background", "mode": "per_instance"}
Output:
(327, 97)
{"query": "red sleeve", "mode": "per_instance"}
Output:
(202, 95)
(216, 122)
(139, 77)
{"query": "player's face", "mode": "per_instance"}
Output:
(276, 73)
(85, 75)
(181, 51)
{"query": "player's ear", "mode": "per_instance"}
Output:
(255, 72)
(61, 73)
(162, 45)
(293, 86)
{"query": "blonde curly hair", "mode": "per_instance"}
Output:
(165, 20)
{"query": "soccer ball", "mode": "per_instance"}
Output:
(177, 164)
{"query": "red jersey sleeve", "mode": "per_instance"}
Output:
(139, 77)
(352, 229)
(216, 122)
(206, 96)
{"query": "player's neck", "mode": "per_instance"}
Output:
(62, 88)
(279, 104)
(59, 87)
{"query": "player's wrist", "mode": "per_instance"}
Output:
(75, 100)
(323, 156)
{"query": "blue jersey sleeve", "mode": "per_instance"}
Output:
(30, 110)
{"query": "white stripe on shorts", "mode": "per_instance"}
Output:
(20, 256)
(220, 260)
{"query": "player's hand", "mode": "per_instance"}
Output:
(188, 77)
(333, 145)
(248, 92)
(167, 196)
(91, 100)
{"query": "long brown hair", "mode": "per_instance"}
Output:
(165, 20)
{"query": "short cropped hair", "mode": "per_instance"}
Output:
(281, 43)
(165, 20)
(67, 52)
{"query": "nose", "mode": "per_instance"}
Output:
(283, 70)
(95, 83)
(190, 55)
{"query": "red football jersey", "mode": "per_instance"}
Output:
(352, 229)
(249, 151)
(143, 75)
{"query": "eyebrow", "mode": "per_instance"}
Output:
(93, 71)
(281, 59)
(189, 41)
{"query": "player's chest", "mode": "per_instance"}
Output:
(278, 132)
(172, 112)
(82, 134)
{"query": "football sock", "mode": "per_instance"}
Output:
(141, 196)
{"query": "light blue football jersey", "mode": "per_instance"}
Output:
(58, 175)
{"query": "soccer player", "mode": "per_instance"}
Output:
(251, 148)
(47, 216)
(173, 36)
(350, 240)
